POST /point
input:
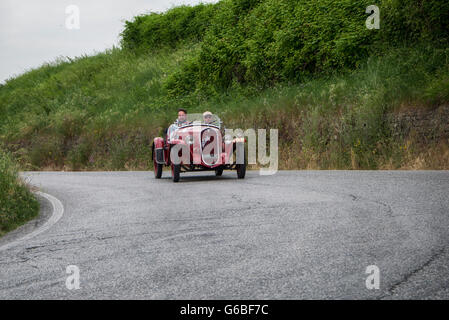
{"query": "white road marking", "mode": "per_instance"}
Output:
(58, 211)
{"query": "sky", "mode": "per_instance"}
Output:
(35, 32)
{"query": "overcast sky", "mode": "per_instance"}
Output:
(34, 32)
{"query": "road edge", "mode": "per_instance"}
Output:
(55, 216)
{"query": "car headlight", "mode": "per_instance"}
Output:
(189, 139)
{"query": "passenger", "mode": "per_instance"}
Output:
(207, 117)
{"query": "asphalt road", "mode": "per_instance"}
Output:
(293, 235)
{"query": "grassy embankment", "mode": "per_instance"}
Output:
(17, 204)
(308, 68)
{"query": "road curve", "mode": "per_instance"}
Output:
(293, 235)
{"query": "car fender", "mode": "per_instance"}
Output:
(158, 148)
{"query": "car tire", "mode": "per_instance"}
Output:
(241, 168)
(241, 171)
(176, 172)
(157, 167)
(218, 172)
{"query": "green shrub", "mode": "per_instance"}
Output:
(411, 21)
(263, 42)
(180, 24)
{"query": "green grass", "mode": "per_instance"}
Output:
(17, 204)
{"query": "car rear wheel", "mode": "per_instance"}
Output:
(175, 172)
(157, 166)
(218, 172)
(241, 171)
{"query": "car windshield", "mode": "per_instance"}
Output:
(197, 118)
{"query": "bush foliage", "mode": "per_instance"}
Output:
(179, 25)
(263, 42)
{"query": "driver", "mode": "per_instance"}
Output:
(181, 121)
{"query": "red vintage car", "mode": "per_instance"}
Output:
(199, 146)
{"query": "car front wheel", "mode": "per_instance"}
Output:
(175, 172)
